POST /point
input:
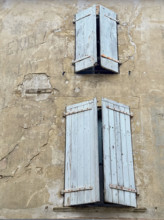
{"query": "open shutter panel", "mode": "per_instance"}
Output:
(81, 163)
(86, 45)
(119, 184)
(108, 40)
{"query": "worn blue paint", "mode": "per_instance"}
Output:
(118, 157)
(86, 42)
(108, 39)
(81, 162)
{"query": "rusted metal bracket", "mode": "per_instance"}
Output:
(38, 91)
(75, 20)
(83, 58)
(117, 21)
(97, 9)
(122, 188)
(109, 58)
(125, 113)
(71, 113)
(76, 190)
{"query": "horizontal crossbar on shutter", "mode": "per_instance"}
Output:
(114, 109)
(81, 18)
(109, 58)
(112, 19)
(71, 113)
(83, 58)
(76, 189)
(122, 188)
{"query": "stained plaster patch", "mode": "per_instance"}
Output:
(36, 85)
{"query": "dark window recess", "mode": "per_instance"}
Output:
(100, 146)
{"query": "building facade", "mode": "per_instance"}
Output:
(38, 82)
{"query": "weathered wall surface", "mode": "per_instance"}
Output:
(38, 81)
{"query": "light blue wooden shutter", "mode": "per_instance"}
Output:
(119, 184)
(81, 162)
(86, 45)
(108, 40)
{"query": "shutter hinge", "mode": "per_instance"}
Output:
(75, 20)
(117, 21)
(125, 113)
(122, 188)
(83, 58)
(109, 58)
(71, 113)
(76, 190)
(97, 9)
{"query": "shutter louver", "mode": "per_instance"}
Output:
(81, 162)
(119, 184)
(108, 40)
(86, 45)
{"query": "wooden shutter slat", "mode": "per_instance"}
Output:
(124, 157)
(118, 153)
(113, 142)
(107, 153)
(130, 161)
(108, 40)
(81, 154)
(86, 45)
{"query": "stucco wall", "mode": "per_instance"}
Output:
(36, 52)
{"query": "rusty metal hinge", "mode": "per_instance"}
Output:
(71, 113)
(76, 190)
(83, 58)
(125, 113)
(122, 188)
(109, 58)
(97, 9)
(117, 21)
(75, 20)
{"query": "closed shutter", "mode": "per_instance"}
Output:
(81, 162)
(86, 45)
(119, 184)
(108, 40)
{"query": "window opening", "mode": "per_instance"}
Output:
(96, 48)
(100, 126)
